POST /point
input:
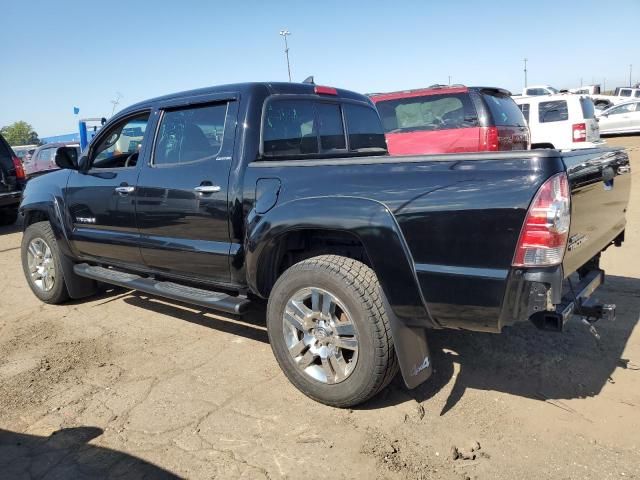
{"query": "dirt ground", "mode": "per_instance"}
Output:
(126, 385)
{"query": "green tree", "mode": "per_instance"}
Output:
(20, 133)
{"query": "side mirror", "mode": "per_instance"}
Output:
(67, 157)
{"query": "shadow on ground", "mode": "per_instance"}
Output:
(66, 453)
(528, 362)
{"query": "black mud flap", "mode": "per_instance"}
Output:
(411, 348)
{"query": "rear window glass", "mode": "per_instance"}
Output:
(289, 128)
(429, 112)
(504, 110)
(330, 127)
(555, 111)
(525, 110)
(588, 110)
(309, 127)
(365, 130)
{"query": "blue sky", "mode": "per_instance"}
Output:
(65, 53)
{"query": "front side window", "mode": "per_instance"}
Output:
(190, 134)
(637, 94)
(625, 92)
(555, 111)
(120, 147)
(426, 113)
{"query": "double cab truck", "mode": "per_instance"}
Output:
(285, 192)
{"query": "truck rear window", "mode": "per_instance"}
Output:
(503, 109)
(297, 127)
(426, 113)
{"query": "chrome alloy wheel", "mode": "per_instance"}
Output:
(320, 335)
(41, 264)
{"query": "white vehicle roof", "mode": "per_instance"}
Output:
(549, 98)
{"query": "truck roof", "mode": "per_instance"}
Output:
(270, 88)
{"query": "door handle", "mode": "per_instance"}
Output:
(125, 189)
(205, 189)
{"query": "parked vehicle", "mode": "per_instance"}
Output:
(24, 152)
(442, 119)
(586, 90)
(627, 93)
(286, 192)
(11, 183)
(561, 121)
(536, 90)
(43, 159)
(621, 118)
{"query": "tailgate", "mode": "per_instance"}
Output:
(600, 181)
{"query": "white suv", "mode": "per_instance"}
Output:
(563, 121)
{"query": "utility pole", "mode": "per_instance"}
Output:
(116, 102)
(284, 34)
(525, 73)
(630, 70)
(449, 80)
(580, 82)
(604, 85)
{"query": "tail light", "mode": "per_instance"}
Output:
(489, 139)
(543, 238)
(579, 132)
(17, 164)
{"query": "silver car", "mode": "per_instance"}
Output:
(621, 118)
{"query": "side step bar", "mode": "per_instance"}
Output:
(174, 291)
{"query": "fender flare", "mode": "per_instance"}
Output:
(376, 228)
(52, 206)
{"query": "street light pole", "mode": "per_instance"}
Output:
(284, 34)
(525, 73)
(630, 70)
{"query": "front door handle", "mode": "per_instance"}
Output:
(204, 189)
(125, 189)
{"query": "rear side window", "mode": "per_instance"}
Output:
(503, 109)
(588, 110)
(555, 111)
(190, 134)
(299, 127)
(525, 110)
(625, 92)
(365, 130)
(426, 113)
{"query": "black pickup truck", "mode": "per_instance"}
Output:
(227, 195)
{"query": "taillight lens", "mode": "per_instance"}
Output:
(17, 164)
(579, 132)
(489, 139)
(543, 238)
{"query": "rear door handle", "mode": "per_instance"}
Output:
(204, 189)
(125, 189)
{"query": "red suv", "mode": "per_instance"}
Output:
(449, 119)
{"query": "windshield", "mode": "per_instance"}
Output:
(504, 110)
(554, 90)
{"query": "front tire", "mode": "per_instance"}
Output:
(329, 331)
(42, 265)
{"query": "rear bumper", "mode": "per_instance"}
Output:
(10, 199)
(548, 299)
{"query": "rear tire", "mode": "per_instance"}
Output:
(42, 265)
(341, 352)
(8, 216)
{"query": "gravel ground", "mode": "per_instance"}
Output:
(126, 385)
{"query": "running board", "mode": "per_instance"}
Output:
(174, 291)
